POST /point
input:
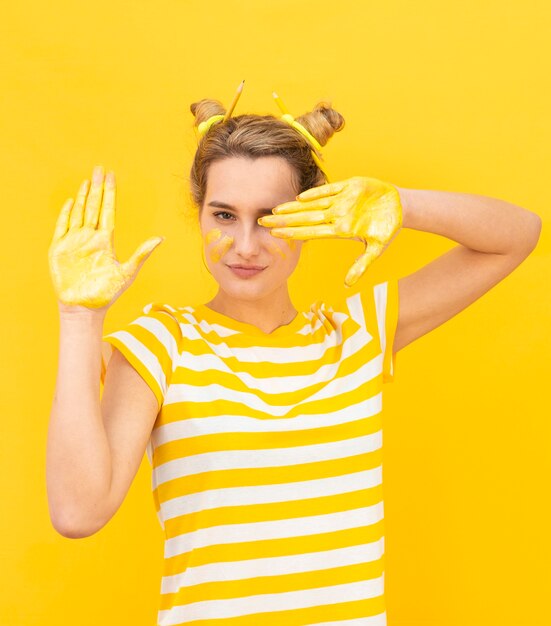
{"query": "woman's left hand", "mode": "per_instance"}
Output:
(366, 209)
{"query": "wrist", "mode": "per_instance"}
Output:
(404, 203)
(78, 313)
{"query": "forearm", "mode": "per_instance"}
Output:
(477, 222)
(78, 458)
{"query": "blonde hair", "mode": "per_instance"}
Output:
(256, 136)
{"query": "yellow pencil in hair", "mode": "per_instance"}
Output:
(235, 99)
(280, 104)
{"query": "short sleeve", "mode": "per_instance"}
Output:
(150, 343)
(385, 295)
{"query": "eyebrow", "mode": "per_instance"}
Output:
(224, 205)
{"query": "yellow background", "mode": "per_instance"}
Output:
(436, 95)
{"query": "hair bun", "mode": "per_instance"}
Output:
(322, 122)
(203, 109)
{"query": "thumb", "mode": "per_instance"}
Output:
(372, 251)
(139, 257)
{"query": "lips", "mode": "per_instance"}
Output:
(246, 271)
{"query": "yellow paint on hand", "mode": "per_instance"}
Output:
(361, 208)
(83, 265)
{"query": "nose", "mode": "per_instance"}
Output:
(247, 240)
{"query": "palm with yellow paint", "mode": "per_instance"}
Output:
(84, 269)
(361, 208)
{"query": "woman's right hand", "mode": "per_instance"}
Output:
(83, 266)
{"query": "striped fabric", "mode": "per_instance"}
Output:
(266, 460)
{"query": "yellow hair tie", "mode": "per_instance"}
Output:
(287, 117)
(204, 126)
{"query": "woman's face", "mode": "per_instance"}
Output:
(239, 191)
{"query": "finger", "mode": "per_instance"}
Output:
(93, 202)
(76, 214)
(62, 223)
(304, 218)
(330, 189)
(138, 258)
(360, 265)
(291, 207)
(107, 212)
(305, 232)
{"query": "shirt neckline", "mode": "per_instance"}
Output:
(203, 312)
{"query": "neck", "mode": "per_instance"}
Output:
(266, 313)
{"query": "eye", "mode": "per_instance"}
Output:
(220, 213)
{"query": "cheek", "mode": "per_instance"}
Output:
(213, 235)
(217, 244)
(284, 249)
(276, 249)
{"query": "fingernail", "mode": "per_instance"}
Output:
(97, 175)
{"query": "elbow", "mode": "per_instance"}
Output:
(530, 234)
(534, 230)
(72, 527)
(539, 225)
(71, 533)
(76, 519)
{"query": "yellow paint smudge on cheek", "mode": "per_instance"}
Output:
(220, 248)
(222, 243)
(213, 235)
(275, 249)
(292, 243)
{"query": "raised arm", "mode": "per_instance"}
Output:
(93, 449)
(494, 237)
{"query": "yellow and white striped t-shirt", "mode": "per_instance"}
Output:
(267, 460)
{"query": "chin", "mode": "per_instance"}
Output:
(244, 290)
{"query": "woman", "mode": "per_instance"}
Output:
(262, 423)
